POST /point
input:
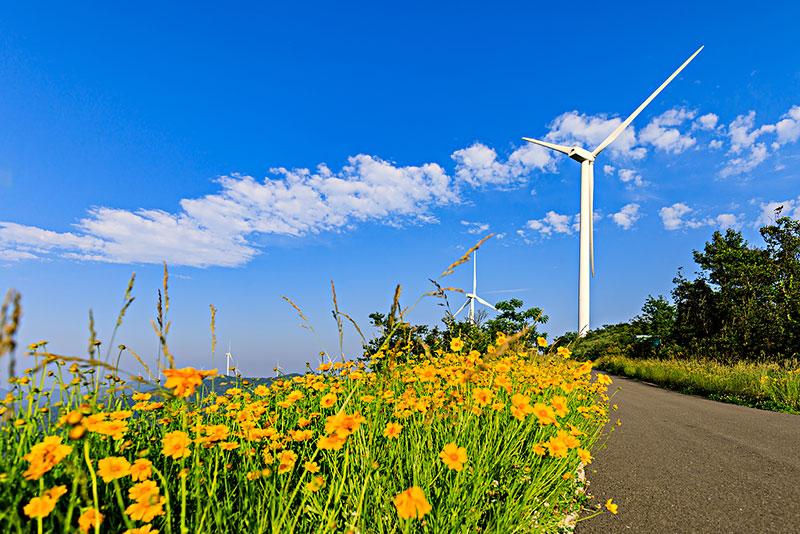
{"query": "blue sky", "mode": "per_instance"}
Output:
(266, 150)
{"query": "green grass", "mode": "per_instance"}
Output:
(760, 385)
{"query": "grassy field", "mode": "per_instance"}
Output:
(450, 442)
(767, 386)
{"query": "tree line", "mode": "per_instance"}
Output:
(743, 303)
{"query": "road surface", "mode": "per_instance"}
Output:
(680, 463)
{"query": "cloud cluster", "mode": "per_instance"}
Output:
(475, 228)
(770, 211)
(627, 216)
(750, 145)
(214, 230)
(679, 216)
(662, 132)
(478, 165)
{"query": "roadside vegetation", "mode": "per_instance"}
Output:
(476, 428)
(732, 332)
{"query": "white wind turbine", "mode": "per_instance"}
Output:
(472, 297)
(228, 360)
(586, 159)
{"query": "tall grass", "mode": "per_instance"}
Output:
(769, 386)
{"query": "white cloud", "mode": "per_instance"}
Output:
(663, 134)
(727, 220)
(746, 145)
(715, 144)
(631, 177)
(478, 164)
(768, 215)
(551, 223)
(672, 216)
(590, 130)
(788, 128)
(608, 169)
(706, 122)
(754, 157)
(214, 230)
(627, 216)
(475, 227)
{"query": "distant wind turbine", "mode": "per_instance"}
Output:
(472, 297)
(228, 360)
(586, 159)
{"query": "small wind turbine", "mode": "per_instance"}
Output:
(586, 159)
(228, 360)
(472, 297)
(278, 369)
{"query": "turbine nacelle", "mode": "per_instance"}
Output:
(580, 154)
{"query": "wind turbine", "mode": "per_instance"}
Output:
(586, 159)
(228, 360)
(472, 297)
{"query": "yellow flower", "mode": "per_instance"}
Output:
(585, 456)
(113, 467)
(482, 396)
(564, 352)
(44, 456)
(301, 435)
(145, 510)
(261, 390)
(89, 519)
(286, 461)
(39, 507)
(412, 503)
(542, 342)
(343, 424)
(311, 467)
(392, 430)
(559, 404)
(316, 484)
(611, 507)
(334, 442)
(228, 445)
(56, 492)
(141, 469)
(544, 413)
(557, 448)
(454, 456)
(176, 445)
(456, 345)
(327, 400)
(143, 491)
(144, 529)
(184, 381)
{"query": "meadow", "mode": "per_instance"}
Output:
(771, 386)
(446, 440)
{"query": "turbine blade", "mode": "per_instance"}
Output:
(474, 272)
(610, 139)
(591, 216)
(461, 308)
(485, 303)
(552, 146)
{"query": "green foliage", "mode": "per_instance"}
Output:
(511, 319)
(743, 304)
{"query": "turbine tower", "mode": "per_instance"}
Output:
(586, 159)
(472, 297)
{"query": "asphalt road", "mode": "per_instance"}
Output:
(681, 463)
